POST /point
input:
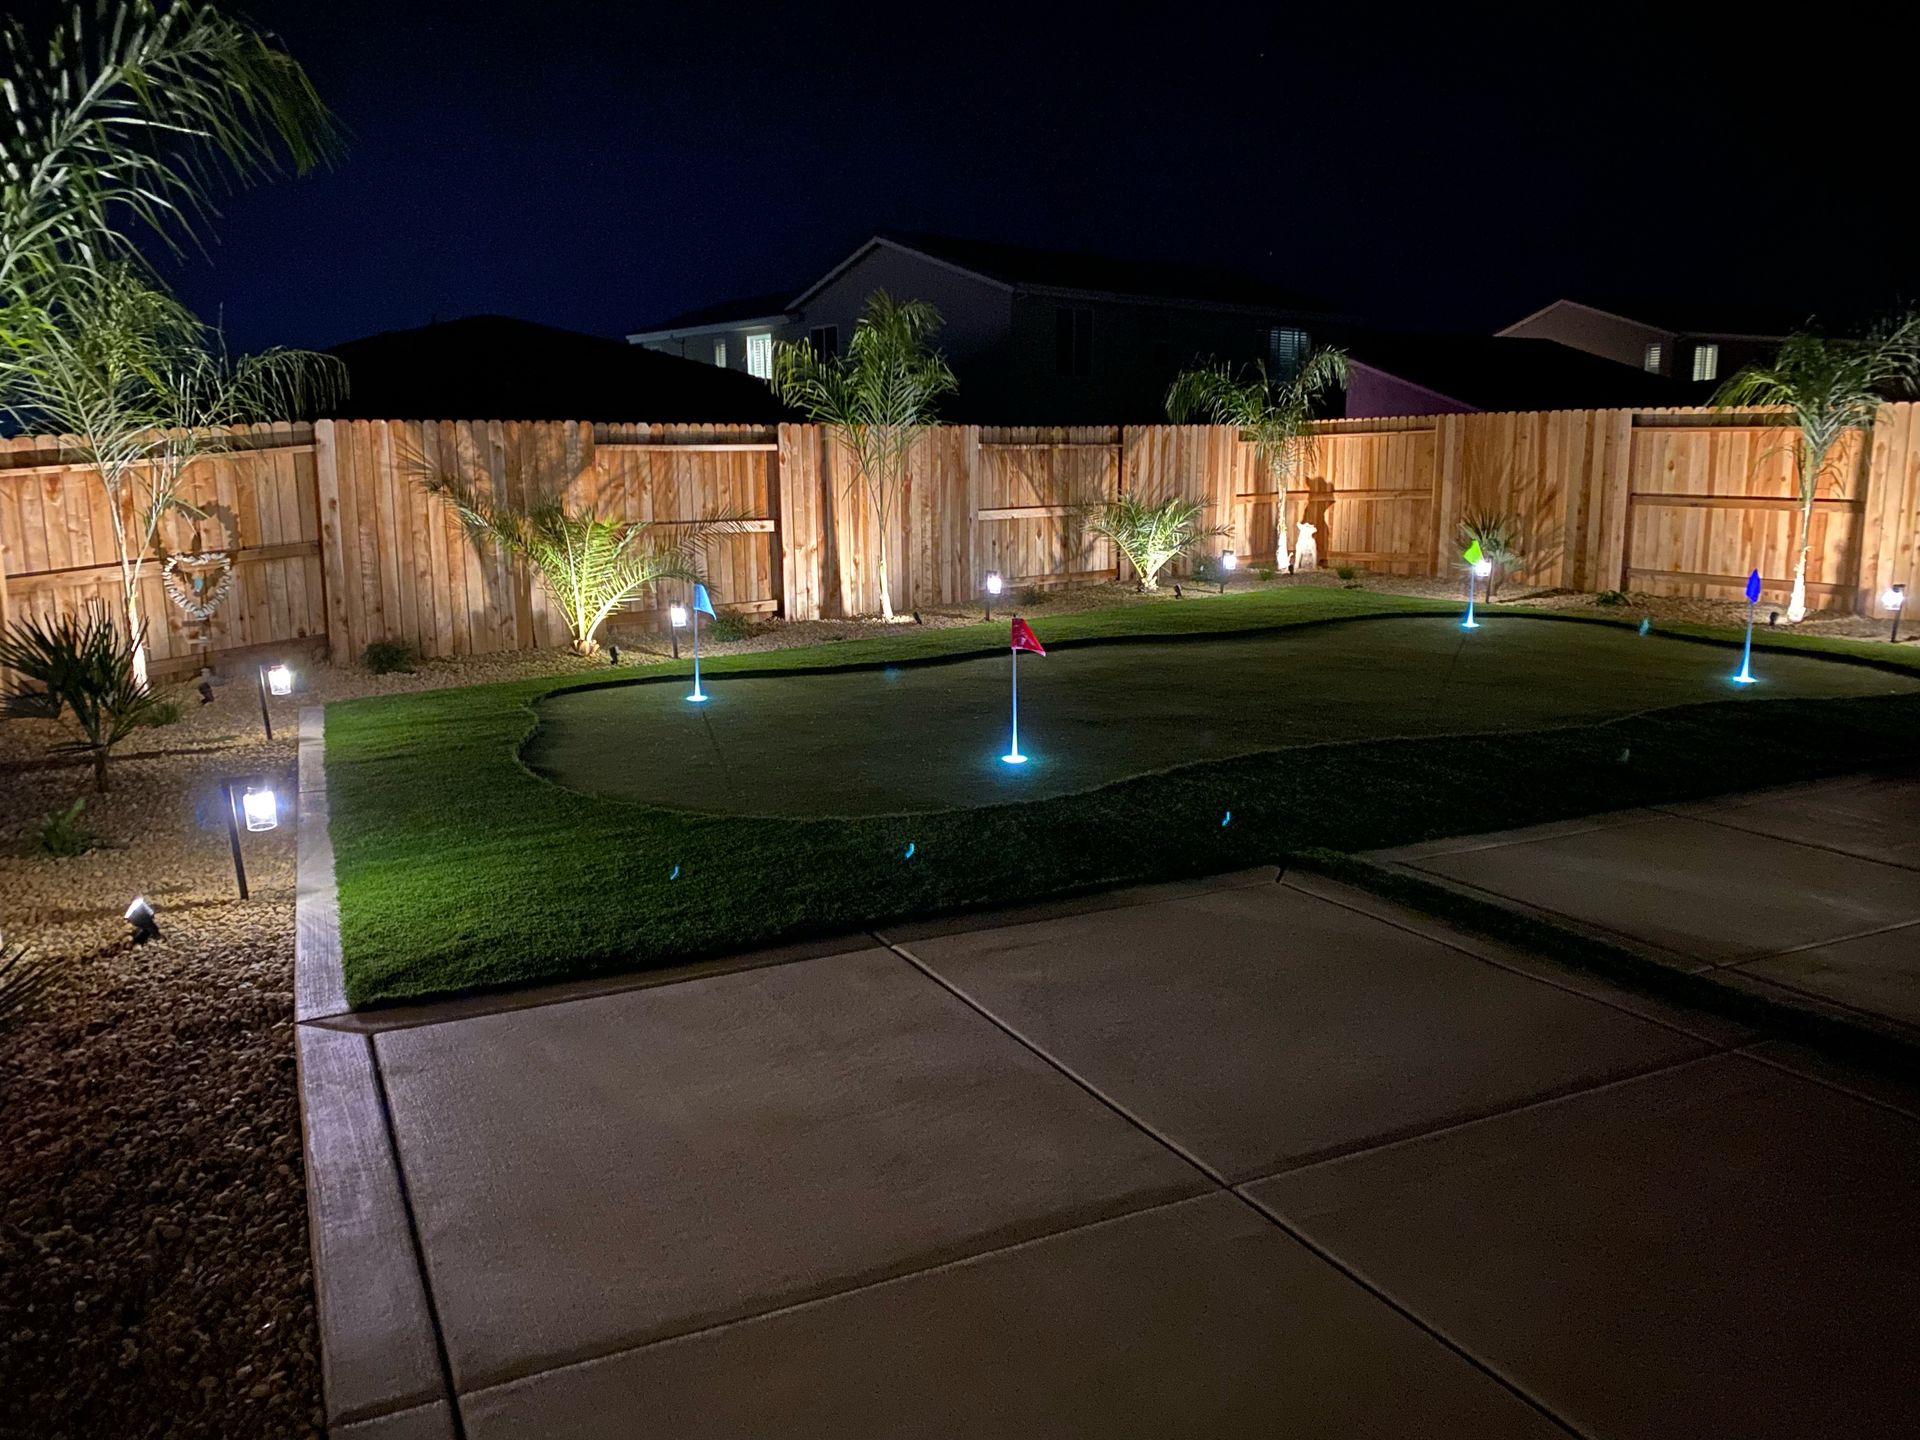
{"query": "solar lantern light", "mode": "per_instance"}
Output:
(259, 807)
(993, 585)
(676, 622)
(1227, 561)
(1893, 598)
(276, 679)
(1483, 570)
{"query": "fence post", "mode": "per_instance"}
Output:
(333, 568)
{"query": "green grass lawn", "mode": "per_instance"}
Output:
(460, 867)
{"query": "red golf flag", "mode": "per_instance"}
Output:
(1025, 639)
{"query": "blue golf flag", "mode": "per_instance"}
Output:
(1753, 589)
(702, 601)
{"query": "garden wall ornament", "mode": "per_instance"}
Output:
(1306, 550)
(198, 581)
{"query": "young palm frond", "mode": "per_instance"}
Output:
(86, 674)
(1828, 387)
(878, 399)
(1497, 533)
(24, 975)
(1271, 413)
(1151, 536)
(590, 566)
(138, 110)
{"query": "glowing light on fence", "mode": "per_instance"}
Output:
(261, 809)
(280, 680)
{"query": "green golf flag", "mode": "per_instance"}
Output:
(1472, 555)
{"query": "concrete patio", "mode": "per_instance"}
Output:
(1255, 1156)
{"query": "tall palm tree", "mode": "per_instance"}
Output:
(130, 111)
(1270, 412)
(878, 398)
(1829, 386)
(142, 388)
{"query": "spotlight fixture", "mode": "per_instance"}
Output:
(140, 917)
(1893, 597)
(613, 654)
(993, 585)
(205, 687)
(1227, 561)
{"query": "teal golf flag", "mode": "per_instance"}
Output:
(702, 601)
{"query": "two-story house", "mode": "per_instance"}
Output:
(1034, 336)
(1698, 346)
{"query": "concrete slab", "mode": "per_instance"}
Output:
(319, 982)
(1879, 974)
(1876, 819)
(1551, 830)
(594, 1175)
(1263, 1027)
(1719, 1249)
(1704, 1024)
(428, 1422)
(908, 931)
(377, 1351)
(1897, 1092)
(1198, 1319)
(1696, 890)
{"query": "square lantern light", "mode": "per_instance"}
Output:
(994, 583)
(677, 614)
(260, 807)
(280, 679)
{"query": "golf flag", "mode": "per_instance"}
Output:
(1753, 588)
(1472, 554)
(702, 601)
(1025, 639)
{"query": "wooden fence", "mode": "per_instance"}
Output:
(336, 543)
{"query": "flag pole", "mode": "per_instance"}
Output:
(1745, 677)
(1013, 755)
(696, 696)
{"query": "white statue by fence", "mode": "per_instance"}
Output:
(1306, 551)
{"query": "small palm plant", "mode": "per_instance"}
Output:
(84, 668)
(878, 399)
(1498, 535)
(23, 976)
(1270, 412)
(590, 565)
(1829, 386)
(1152, 536)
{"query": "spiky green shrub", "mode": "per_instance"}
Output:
(388, 657)
(63, 832)
(1498, 535)
(1152, 536)
(84, 668)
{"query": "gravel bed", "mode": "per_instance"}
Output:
(152, 1206)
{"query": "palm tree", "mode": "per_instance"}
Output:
(1151, 536)
(1270, 412)
(590, 565)
(137, 382)
(129, 111)
(878, 399)
(1829, 386)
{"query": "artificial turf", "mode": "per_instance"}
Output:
(459, 867)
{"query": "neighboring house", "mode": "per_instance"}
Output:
(495, 368)
(1699, 346)
(1447, 374)
(733, 335)
(1034, 336)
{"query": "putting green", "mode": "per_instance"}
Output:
(912, 738)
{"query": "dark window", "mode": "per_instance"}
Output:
(1073, 340)
(1286, 349)
(825, 339)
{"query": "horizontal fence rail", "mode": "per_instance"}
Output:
(334, 540)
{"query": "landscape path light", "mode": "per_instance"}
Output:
(1894, 597)
(1227, 561)
(676, 622)
(993, 585)
(258, 808)
(276, 679)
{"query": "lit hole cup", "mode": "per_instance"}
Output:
(280, 680)
(260, 808)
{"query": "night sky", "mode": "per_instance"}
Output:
(602, 166)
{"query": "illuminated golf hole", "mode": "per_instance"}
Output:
(931, 737)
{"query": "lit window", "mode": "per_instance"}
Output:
(760, 356)
(825, 339)
(1655, 352)
(720, 353)
(1286, 349)
(1706, 362)
(1072, 340)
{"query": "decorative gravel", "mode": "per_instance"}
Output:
(152, 1207)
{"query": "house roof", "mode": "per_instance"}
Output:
(498, 368)
(1707, 319)
(1024, 267)
(725, 313)
(1492, 372)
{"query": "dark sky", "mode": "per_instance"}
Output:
(600, 166)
